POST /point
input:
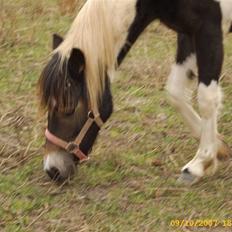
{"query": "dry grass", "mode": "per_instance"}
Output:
(70, 6)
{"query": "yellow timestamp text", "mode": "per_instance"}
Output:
(201, 223)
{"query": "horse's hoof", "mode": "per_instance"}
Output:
(224, 152)
(188, 178)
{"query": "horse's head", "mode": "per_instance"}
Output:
(64, 94)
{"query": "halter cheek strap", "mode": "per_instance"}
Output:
(74, 146)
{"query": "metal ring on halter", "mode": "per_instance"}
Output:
(72, 147)
(91, 115)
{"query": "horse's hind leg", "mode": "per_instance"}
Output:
(209, 50)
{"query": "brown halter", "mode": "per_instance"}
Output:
(74, 146)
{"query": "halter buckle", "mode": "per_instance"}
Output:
(72, 147)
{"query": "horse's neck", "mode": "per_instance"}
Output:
(130, 18)
(123, 14)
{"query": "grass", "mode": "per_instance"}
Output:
(131, 187)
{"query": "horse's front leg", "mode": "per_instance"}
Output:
(181, 80)
(179, 87)
(209, 51)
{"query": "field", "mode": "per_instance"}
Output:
(129, 184)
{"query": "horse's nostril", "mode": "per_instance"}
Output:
(186, 171)
(54, 174)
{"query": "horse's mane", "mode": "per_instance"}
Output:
(92, 33)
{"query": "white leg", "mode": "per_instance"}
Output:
(179, 88)
(209, 100)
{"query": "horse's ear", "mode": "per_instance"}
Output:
(57, 40)
(76, 63)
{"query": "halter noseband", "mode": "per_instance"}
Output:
(74, 146)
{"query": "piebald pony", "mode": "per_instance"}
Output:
(76, 78)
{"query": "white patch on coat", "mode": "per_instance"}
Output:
(123, 14)
(226, 8)
(179, 87)
(178, 80)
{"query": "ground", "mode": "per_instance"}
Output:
(129, 184)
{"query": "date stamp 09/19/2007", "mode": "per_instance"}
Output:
(201, 223)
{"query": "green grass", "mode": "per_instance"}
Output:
(119, 189)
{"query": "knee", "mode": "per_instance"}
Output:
(209, 98)
(180, 79)
(176, 84)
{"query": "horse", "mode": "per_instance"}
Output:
(74, 86)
